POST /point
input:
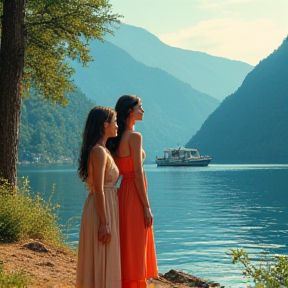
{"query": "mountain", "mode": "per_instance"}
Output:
(173, 109)
(251, 125)
(216, 76)
(52, 133)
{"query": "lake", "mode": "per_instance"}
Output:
(199, 213)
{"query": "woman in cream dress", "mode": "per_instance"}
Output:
(98, 263)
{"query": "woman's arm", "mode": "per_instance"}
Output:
(99, 159)
(135, 143)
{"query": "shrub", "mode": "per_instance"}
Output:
(25, 215)
(13, 279)
(272, 274)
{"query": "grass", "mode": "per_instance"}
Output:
(17, 279)
(26, 215)
(266, 273)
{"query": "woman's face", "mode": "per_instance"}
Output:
(111, 128)
(137, 112)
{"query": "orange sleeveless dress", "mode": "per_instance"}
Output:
(137, 246)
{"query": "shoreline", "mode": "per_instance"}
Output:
(27, 163)
(48, 267)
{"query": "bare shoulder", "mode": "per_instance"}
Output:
(135, 140)
(98, 152)
(135, 136)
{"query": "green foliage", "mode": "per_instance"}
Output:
(56, 30)
(51, 133)
(6, 187)
(271, 274)
(13, 279)
(25, 215)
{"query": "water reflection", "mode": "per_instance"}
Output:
(200, 213)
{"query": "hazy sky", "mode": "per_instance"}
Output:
(246, 30)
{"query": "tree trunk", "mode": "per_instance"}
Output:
(11, 68)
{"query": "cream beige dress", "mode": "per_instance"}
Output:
(99, 264)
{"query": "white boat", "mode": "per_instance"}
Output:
(182, 157)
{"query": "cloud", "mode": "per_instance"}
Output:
(208, 4)
(239, 39)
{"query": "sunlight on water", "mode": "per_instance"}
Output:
(199, 213)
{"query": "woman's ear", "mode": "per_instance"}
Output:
(105, 124)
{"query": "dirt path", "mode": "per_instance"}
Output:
(52, 268)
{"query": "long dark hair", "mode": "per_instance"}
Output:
(93, 131)
(123, 108)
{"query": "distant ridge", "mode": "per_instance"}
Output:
(251, 125)
(174, 111)
(215, 76)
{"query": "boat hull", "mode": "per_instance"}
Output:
(194, 162)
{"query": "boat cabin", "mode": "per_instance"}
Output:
(181, 153)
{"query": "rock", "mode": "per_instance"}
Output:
(175, 276)
(215, 285)
(202, 284)
(49, 264)
(36, 246)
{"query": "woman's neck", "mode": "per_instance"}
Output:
(130, 125)
(102, 142)
(130, 128)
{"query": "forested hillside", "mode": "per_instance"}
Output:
(51, 133)
(251, 125)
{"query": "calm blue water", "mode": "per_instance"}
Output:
(199, 213)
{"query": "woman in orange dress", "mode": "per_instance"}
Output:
(98, 264)
(138, 255)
